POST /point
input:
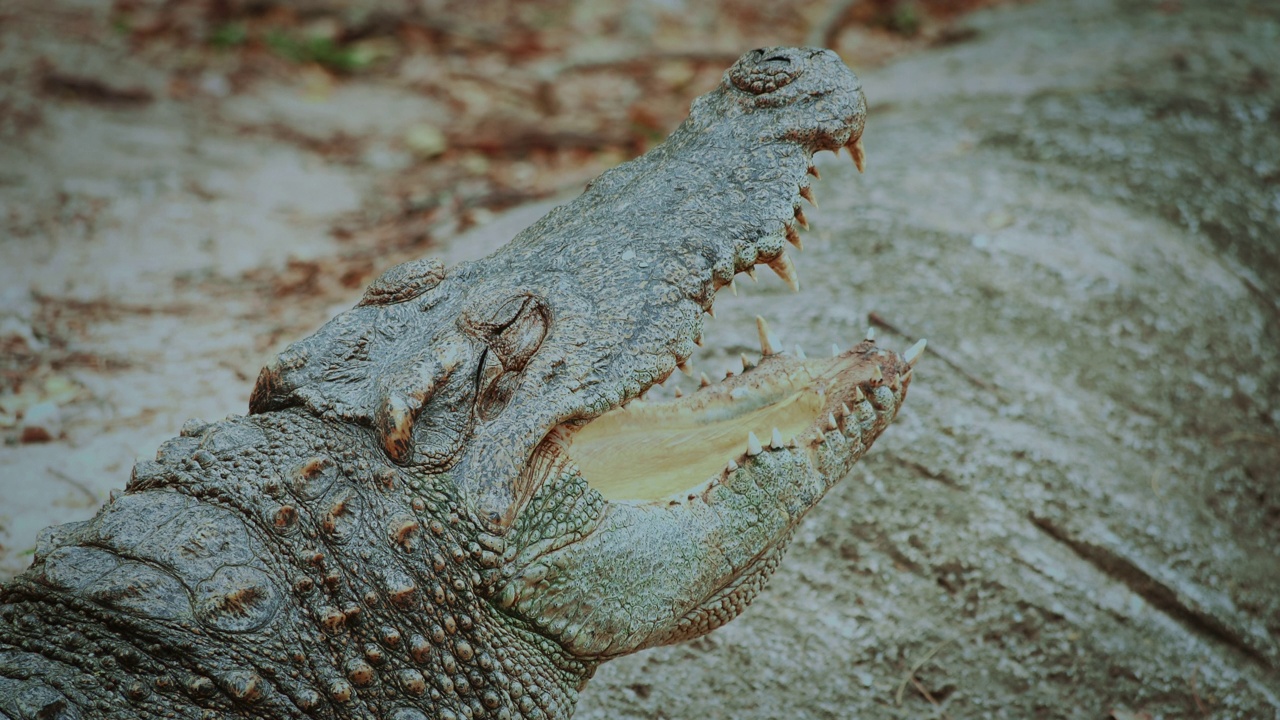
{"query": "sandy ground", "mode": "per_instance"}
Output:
(1076, 516)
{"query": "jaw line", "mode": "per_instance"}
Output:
(767, 406)
(674, 450)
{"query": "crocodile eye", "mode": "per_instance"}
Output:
(511, 336)
(516, 331)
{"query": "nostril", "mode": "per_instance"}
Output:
(779, 58)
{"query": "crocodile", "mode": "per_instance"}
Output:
(455, 499)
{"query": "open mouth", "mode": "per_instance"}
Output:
(827, 410)
(677, 449)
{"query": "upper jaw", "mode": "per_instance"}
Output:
(723, 194)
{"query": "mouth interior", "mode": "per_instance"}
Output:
(652, 450)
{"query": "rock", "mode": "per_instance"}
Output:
(41, 422)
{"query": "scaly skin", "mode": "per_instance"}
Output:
(400, 529)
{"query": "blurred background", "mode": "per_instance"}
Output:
(1077, 202)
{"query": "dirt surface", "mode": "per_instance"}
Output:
(1078, 513)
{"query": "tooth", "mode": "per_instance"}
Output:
(807, 194)
(711, 310)
(876, 375)
(893, 383)
(767, 341)
(857, 395)
(678, 392)
(800, 218)
(845, 407)
(835, 350)
(793, 237)
(698, 341)
(684, 367)
(731, 467)
(776, 440)
(813, 170)
(753, 445)
(782, 265)
(746, 364)
(859, 155)
(913, 353)
(831, 421)
(800, 353)
(751, 273)
(906, 376)
(703, 380)
(733, 287)
(871, 334)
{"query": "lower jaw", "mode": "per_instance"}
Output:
(673, 450)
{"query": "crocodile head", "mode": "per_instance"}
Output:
(623, 523)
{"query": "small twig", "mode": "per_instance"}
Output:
(897, 698)
(919, 686)
(1195, 693)
(1242, 436)
(878, 320)
(73, 482)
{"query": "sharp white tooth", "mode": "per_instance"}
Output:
(753, 445)
(845, 408)
(876, 375)
(857, 396)
(871, 334)
(746, 364)
(835, 350)
(767, 341)
(793, 237)
(685, 368)
(703, 380)
(751, 273)
(732, 466)
(807, 194)
(776, 441)
(893, 383)
(800, 353)
(800, 218)
(733, 287)
(906, 376)
(814, 172)
(678, 392)
(831, 421)
(858, 153)
(782, 265)
(913, 353)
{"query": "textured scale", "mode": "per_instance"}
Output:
(393, 533)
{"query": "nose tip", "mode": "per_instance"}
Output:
(764, 70)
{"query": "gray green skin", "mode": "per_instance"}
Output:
(390, 532)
